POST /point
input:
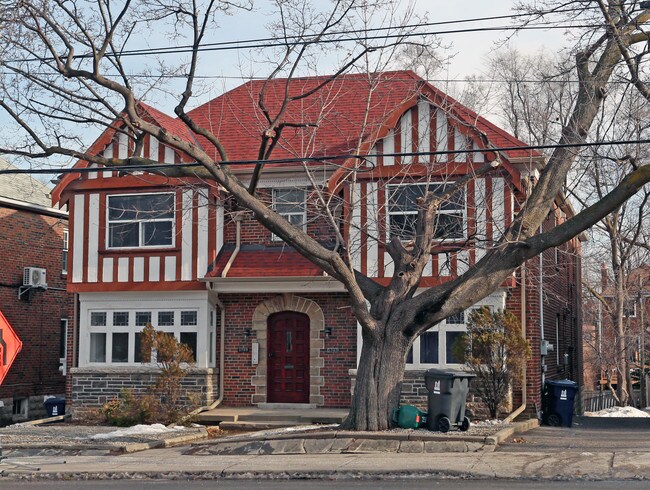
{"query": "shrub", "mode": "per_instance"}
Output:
(495, 350)
(164, 402)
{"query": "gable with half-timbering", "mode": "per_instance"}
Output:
(426, 150)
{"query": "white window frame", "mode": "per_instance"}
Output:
(493, 302)
(302, 214)
(390, 188)
(65, 253)
(141, 222)
(132, 329)
(633, 315)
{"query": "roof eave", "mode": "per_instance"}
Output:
(34, 208)
(288, 284)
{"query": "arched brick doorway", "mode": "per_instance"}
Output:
(289, 303)
(288, 357)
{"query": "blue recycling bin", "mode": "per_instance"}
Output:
(54, 406)
(557, 402)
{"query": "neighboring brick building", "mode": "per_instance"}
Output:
(32, 234)
(178, 253)
(600, 338)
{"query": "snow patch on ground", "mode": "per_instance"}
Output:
(137, 430)
(488, 423)
(619, 412)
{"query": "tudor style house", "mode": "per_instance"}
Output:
(265, 324)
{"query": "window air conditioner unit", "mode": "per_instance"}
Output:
(34, 277)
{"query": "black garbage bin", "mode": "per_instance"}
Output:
(447, 396)
(55, 406)
(557, 402)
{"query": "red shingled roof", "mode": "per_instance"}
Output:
(265, 261)
(335, 116)
(338, 109)
(172, 124)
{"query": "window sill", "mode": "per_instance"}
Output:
(138, 251)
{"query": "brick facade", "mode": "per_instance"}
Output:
(29, 238)
(336, 352)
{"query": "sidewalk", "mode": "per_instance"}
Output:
(338, 454)
(172, 463)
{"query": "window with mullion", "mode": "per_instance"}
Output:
(291, 204)
(403, 211)
(141, 220)
(115, 337)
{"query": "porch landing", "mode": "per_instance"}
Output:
(255, 418)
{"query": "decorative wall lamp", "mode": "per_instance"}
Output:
(328, 332)
(248, 332)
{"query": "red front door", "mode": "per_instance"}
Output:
(288, 361)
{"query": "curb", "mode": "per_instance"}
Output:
(517, 428)
(500, 436)
(168, 442)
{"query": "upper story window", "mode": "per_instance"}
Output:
(290, 203)
(64, 253)
(403, 211)
(141, 220)
(629, 309)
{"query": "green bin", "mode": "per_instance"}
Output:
(409, 417)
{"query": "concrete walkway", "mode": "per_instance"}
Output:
(368, 455)
(175, 463)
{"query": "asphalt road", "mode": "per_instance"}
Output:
(411, 484)
(587, 434)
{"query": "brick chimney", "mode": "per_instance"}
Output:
(604, 278)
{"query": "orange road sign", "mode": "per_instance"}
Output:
(10, 346)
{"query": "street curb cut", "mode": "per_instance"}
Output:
(517, 428)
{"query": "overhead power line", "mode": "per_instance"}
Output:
(324, 158)
(278, 43)
(316, 38)
(305, 38)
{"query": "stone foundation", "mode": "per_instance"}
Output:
(93, 387)
(35, 409)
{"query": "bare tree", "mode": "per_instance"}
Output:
(536, 93)
(619, 238)
(66, 66)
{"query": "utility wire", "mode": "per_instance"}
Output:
(319, 41)
(316, 38)
(325, 158)
(284, 40)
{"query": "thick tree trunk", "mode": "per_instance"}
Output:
(379, 380)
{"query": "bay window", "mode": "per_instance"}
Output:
(116, 336)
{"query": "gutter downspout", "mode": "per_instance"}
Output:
(75, 335)
(238, 219)
(222, 361)
(222, 343)
(541, 308)
(524, 388)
